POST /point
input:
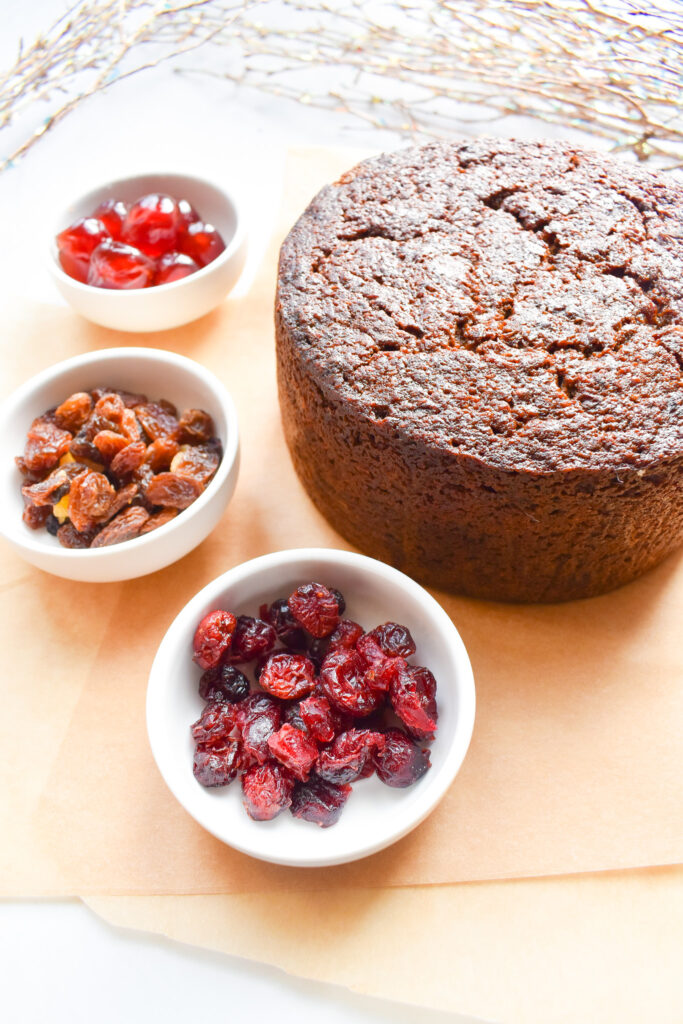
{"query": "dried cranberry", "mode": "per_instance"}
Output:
(400, 762)
(267, 790)
(217, 765)
(294, 749)
(319, 802)
(259, 716)
(347, 634)
(119, 266)
(315, 607)
(320, 718)
(174, 266)
(153, 224)
(202, 242)
(112, 213)
(73, 413)
(288, 676)
(76, 245)
(215, 723)
(316, 649)
(349, 755)
(339, 597)
(195, 427)
(413, 698)
(394, 640)
(213, 637)
(253, 639)
(288, 630)
(342, 678)
(224, 682)
(380, 670)
(172, 490)
(125, 526)
(292, 714)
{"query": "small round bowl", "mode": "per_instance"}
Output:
(375, 815)
(157, 374)
(168, 305)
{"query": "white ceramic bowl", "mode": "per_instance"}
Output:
(168, 305)
(157, 374)
(375, 815)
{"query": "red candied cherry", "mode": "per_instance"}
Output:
(288, 676)
(173, 266)
(347, 759)
(115, 265)
(153, 224)
(76, 245)
(212, 638)
(413, 698)
(294, 749)
(320, 802)
(267, 790)
(216, 765)
(400, 762)
(253, 638)
(188, 214)
(393, 640)
(316, 608)
(342, 678)
(259, 716)
(112, 213)
(202, 242)
(215, 724)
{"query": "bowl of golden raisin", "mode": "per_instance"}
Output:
(116, 463)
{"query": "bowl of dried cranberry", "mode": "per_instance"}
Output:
(116, 463)
(310, 707)
(150, 252)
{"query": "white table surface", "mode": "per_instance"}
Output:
(60, 963)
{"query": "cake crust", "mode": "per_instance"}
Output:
(480, 361)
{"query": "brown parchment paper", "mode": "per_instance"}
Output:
(601, 948)
(576, 758)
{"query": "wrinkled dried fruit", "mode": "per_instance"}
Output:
(36, 516)
(212, 638)
(346, 634)
(110, 409)
(393, 639)
(267, 790)
(316, 608)
(215, 723)
(172, 490)
(319, 802)
(123, 498)
(109, 444)
(156, 420)
(200, 463)
(320, 718)
(288, 676)
(380, 670)
(90, 499)
(413, 698)
(125, 526)
(259, 716)
(347, 759)
(72, 414)
(161, 453)
(128, 460)
(294, 749)
(159, 519)
(342, 678)
(292, 714)
(49, 490)
(45, 445)
(253, 639)
(69, 537)
(400, 762)
(224, 682)
(288, 630)
(195, 427)
(217, 765)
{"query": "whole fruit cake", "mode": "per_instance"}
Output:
(480, 362)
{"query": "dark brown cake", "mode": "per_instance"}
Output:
(480, 361)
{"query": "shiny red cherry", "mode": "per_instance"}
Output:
(112, 213)
(115, 265)
(203, 243)
(188, 214)
(173, 266)
(76, 244)
(153, 225)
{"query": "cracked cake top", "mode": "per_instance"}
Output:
(516, 302)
